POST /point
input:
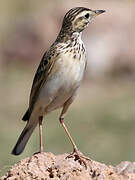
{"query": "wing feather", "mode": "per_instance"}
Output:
(40, 78)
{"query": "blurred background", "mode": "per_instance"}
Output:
(102, 118)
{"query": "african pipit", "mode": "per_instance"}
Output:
(58, 76)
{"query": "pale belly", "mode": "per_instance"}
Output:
(62, 84)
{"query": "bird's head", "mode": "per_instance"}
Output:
(77, 19)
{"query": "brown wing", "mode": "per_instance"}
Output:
(41, 75)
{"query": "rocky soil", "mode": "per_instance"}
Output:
(47, 166)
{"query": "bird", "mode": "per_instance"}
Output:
(58, 76)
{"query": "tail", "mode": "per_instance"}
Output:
(26, 116)
(24, 137)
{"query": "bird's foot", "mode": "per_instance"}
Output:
(39, 152)
(78, 156)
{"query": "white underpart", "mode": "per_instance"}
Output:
(62, 85)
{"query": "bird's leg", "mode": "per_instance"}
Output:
(40, 133)
(75, 153)
(67, 132)
(61, 119)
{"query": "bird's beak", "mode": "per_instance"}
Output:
(97, 12)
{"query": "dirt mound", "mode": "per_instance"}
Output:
(47, 166)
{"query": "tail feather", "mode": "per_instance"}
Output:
(23, 139)
(26, 116)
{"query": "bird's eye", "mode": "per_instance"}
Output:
(87, 15)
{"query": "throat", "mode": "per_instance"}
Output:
(67, 36)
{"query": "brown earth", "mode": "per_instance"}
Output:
(47, 166)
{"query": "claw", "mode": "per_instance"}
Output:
(79, 156)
